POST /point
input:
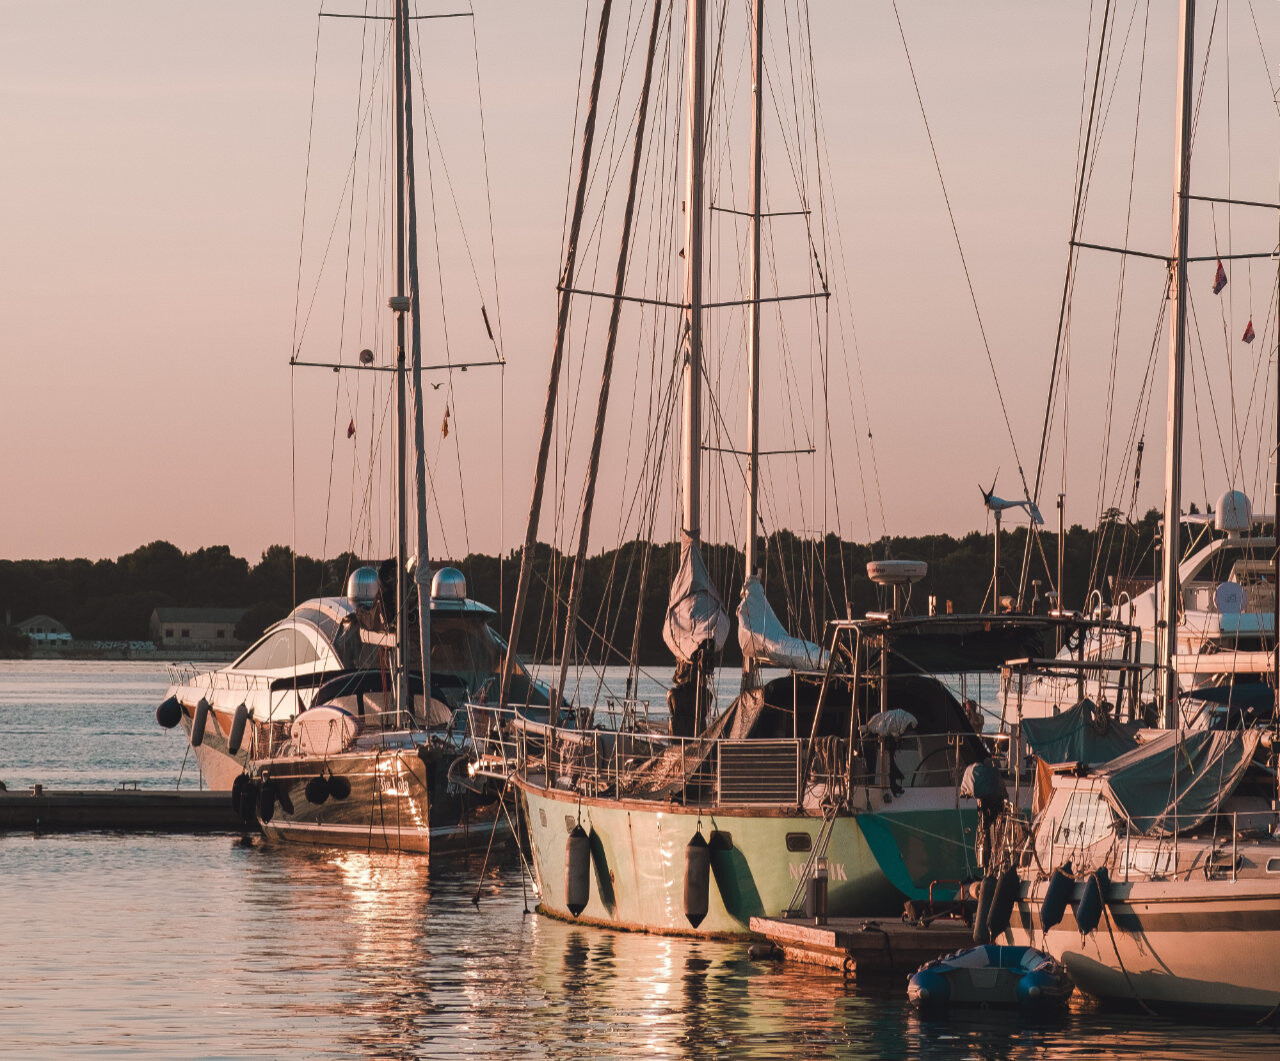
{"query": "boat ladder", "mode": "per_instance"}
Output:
(818, 851)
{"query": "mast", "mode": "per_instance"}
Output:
(753, 311)
(1275, 530)
(1171, 595)
(606, 372)
(553, 387)
(422, 555)
(695, 149)
(400, 303)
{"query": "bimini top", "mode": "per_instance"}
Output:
(1173, 783)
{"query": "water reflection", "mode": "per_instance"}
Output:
(169, 946)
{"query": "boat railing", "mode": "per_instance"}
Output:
(490, 740)
(636, 764)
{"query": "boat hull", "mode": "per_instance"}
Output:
(1192, 944)
(218, 767)
(876, 860)
(386, 809)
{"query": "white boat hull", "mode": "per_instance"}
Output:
(1208, 944)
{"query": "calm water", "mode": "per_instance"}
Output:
(118, 946)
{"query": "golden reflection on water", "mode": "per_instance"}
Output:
(195, 947)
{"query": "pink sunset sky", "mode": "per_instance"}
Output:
(153, 169)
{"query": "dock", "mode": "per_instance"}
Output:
(865, 948)
(129, 810)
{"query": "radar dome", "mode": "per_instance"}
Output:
(1233, 513)
(363, 587)
(449, 584)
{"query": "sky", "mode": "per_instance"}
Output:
(157, 163)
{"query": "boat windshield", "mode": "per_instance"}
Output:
(280, 650)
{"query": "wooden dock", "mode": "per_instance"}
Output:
(126, 810)
(865, 948)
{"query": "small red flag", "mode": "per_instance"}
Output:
(1219, 278)
(351, 428)
(1248, 332)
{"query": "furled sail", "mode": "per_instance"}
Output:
(764, 638)
(694, 614)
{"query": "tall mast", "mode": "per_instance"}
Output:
(1171, 593)
(695, 150)
(400, 304)
(606, 372)
(753, 310)
(422, 554)
(557, 357)
(753, 365)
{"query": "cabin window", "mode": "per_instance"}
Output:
(1086, 820)
(186, 633)
(221, 633)
(1273, 865)
(799, 842)
(168, 631)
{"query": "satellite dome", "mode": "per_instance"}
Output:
(1233, 513)
(363, 587)
(449, 584)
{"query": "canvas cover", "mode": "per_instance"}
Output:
(1081, 734)
(694, 614)
(764, 639)
(1174, 782)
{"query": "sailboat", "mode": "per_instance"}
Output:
(845, 768)
(1155, 876)
(364, 760)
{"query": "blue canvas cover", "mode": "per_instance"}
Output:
(1176, 781)
(1081, 734)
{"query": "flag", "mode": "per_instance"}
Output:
(1248, 332)
(351, 428)
(1219, 278)
(444, 426)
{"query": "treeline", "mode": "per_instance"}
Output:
(622, 589)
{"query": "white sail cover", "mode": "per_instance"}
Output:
(764, 638)
(695, 613)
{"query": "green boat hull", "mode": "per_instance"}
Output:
(876, 859)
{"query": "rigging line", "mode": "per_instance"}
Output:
(651, 157)
(1072, 257)
(324, 258)
(1213, 405)
(444, 316)
(965, 265)
(549, 418)
(1120, 285)
(342, 324)
(1266, 63)
(493, 251)
(841, 313)
(1204, 74)
(1195, 397)
(575, 577)
(306, 186)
